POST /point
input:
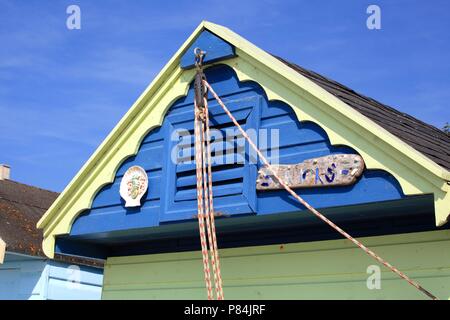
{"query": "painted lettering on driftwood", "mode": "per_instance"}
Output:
(332, 170)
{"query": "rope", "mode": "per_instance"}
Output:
(215, 251)
(204, 180)
(310, 208)
(208, 217)
(206, 207)
(200, 204)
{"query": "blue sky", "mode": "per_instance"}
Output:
(62, 91)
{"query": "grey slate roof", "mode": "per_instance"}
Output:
(425, 138)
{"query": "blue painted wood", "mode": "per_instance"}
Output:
(171, 196)
(117, 218)
(25, 277)
(73, 246)
(61, 278)
(215, 47)
(244, 106)
(22, 278)
(410, 214)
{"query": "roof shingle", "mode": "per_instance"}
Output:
(21, 206)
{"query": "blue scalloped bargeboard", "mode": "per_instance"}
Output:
(171, 196)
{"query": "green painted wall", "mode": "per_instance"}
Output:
(315, 270)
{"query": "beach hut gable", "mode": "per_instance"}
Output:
(90, 218)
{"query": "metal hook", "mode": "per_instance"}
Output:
(199, 56)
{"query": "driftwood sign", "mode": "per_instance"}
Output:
(332, 170)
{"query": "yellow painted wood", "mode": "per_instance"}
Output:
(380, 149)
(313, 270)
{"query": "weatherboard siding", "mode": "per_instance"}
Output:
(61, 286)
(23, 278)
(315, 270)
(31, 278)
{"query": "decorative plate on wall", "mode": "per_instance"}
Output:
(133, 186)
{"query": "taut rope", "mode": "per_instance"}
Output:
(312, 209)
